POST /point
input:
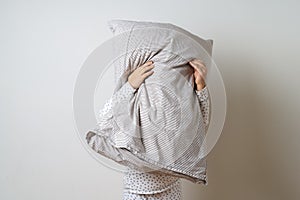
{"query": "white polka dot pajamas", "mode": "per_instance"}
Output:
(147, 185)
(140, 185)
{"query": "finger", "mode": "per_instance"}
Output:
(196, 67)
(199, 64)
(202, 77)
(196, 60)
(149, 62)
(199, 61)
(192, 64)
(147, 74)
(144, 65)
(202, 69)
(146, 68)
(150, 66)
(202, 72)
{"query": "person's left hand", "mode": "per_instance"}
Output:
(200, 73)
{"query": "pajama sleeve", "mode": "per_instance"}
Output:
(103, 127)
(203, 96)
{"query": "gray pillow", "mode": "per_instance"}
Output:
(118, 27)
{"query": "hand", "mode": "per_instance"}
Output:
(200, 72)
(137, 77)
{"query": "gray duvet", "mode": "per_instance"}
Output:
(161, 128)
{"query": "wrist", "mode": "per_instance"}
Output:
(200, 86)
(131, 85)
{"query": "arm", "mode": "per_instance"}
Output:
(203, 96)
(97, 138)
(106, 115)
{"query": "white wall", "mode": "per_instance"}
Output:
(44, 43)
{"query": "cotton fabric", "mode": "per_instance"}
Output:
(125, 132)
(154, 185)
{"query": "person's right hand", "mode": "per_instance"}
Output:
(200, 72)
(137, 77)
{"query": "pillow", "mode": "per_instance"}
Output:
(161, 128)
(118, 27)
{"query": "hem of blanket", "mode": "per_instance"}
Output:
(199, 179)
(196, 178)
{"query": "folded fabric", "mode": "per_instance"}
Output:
(160, 126)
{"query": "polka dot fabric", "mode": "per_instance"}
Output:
(148, 182)
(203, 96)
(173, 193)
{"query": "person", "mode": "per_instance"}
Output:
(154, 186)
(140, 185)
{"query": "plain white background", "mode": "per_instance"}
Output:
(44, 43)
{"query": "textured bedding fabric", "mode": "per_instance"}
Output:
(143, 185)
(159, 127)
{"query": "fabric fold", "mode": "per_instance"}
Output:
(159, 126)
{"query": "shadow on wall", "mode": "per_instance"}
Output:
(246, 162)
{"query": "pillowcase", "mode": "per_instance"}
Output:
(120, 26)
